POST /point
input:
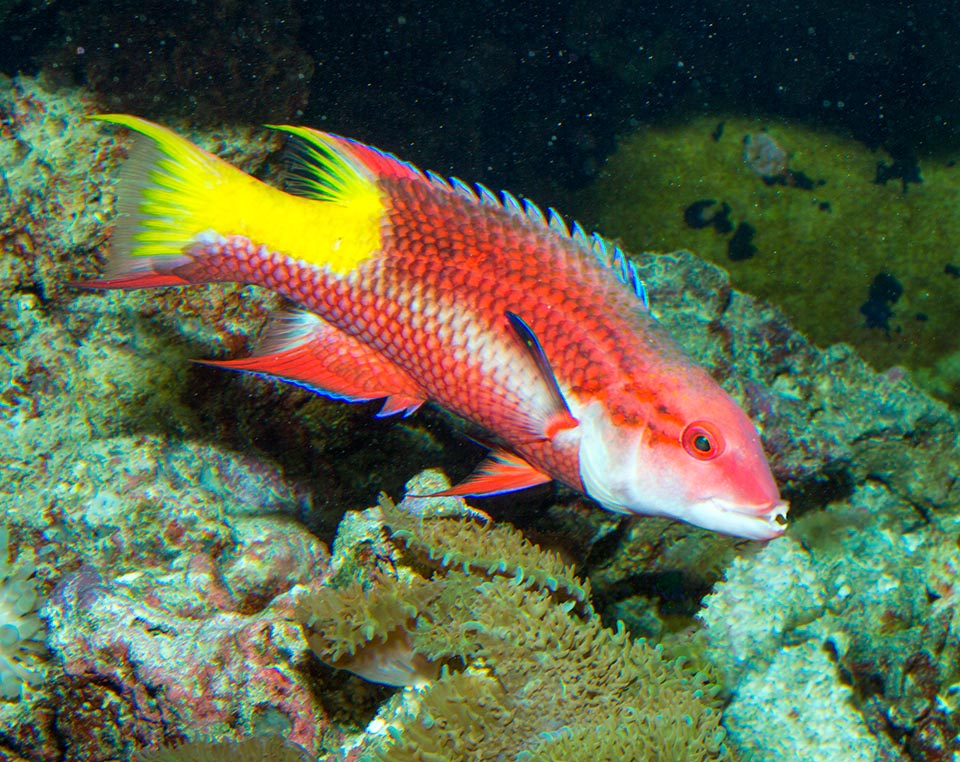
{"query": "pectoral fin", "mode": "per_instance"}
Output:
(557, 416)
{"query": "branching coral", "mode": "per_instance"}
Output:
(484, 548)
(552, 685)
(529, 670)
(21, 630)
(367, 630)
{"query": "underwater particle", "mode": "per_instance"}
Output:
(21, 630)
(905, 168)
(765, 157)
(740, 246)
(705, 213)
(885, 290)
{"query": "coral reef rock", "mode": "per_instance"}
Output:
(165, 518)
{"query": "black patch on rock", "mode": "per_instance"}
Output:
(721, 220)
(740, 246)
(705, 212)
(698, 214)
(905, 168)
(802, 181)
(885, 290)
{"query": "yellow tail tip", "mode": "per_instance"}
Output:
(171, 191)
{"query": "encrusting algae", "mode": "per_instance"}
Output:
(511, 659)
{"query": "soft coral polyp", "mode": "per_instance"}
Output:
(21, 630)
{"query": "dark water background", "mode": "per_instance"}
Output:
(529, 95)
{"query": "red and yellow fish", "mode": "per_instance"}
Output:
(416, 289)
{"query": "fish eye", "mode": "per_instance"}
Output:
(702, 440)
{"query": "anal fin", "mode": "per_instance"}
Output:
(133, 280)
(304, 349)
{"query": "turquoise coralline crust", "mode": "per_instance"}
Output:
(818, 249)
(850, 617)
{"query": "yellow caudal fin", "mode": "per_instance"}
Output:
(173, 194)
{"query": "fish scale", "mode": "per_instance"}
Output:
(414, 289)
(469, 275)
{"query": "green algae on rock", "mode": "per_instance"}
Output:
(823, 231)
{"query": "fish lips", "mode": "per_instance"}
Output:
(763, 522)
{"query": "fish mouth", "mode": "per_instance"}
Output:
(753, 522)
(770, 522)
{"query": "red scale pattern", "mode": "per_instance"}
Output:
(433, 301)
(590, 325)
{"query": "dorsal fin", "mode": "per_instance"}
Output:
(325, 166)
(612, 256)
(328, 167)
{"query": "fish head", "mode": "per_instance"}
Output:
(698, 459)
